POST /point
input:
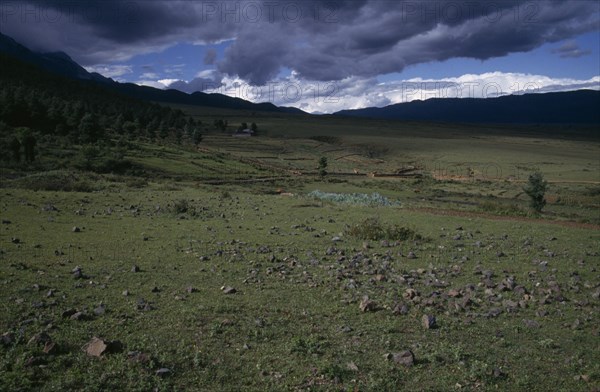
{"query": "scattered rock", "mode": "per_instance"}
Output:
(400, 309)
(39, 339)
(7, 338)
(453, 293)
(78, 316)
(34, 361)
(100, 310)
(50, 348)
(68, 313)
(163, 372)
(531, 323)
(410, 294)
(366, 305)
(405, 358)
(352, 367)
(77, 273)
(143, 305)
(76, 229)
(228, 290)
(98, 347)
(135, 268)
(429, 321)
(138, 356)
(493, 312)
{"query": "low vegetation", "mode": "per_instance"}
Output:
(193, 260)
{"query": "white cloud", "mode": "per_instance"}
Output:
(356, 93)
(149, 75)
(167, 82)
(110, 71)
(151, 83)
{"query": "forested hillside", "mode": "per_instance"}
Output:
(39, 108)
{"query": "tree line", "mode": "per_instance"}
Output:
(35, 103)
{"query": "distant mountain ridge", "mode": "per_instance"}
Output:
(571, 107)
(61, 64)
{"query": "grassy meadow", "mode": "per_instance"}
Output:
(213, 269)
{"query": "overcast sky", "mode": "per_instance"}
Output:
(323, 56)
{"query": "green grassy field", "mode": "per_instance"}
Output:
(515, 295)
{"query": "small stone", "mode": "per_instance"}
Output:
(97, 347)
(191, 290)
(77, 316)
(352, 367)
(68, 313)
(15, 240)
(39, 339)
(34, 361)
(135, 268)
(7, 338)
(400, 309)
(155, 289)
(336, 239)
(410, 293)
(50, 348)
(76, 229)
(163, 372)
(228, 290)
(100, 310)
(138, 356)
(411, 255)
(429, 321)
(366, 305)
(493, 312)
(380, 278)
(498, 373)
(405, 358)
(531, 323)
(125, 293)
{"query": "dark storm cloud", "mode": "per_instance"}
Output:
(571, 49)
(210, 57)
(321, 40)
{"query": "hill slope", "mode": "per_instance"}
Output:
(573, 107)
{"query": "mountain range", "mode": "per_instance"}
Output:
(61, 64)
(573, 107)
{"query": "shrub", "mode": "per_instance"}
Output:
(373, 230)
(536, 189)
(136, 182)
(181, 206)
(501, 209)
(56, 181)
(323, 166)
(374, 199)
